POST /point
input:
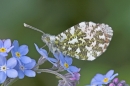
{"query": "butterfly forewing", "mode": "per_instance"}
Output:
(84, 41)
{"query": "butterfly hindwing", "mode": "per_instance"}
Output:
(84, 41)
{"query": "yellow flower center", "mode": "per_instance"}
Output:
(66, 65)
(3, 68)
(17, 54)
(105, 80)
(2, 50)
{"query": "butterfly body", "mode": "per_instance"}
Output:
(84, 41)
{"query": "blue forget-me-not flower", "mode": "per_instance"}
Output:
(19, 52)
(26, 69)
(5, 47)
(100, 79)
(7, 68)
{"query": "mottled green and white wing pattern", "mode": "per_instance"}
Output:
(84, 41)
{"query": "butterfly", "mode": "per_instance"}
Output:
(84, 41)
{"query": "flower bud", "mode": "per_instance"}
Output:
(112, 84)
(115, 81)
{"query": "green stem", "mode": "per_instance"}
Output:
(9, 82)
(37, 70)
(52, 72)
(2, 85)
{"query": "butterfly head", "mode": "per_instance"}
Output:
(48, 39)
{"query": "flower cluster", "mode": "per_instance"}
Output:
(20, 65)
(16, 66)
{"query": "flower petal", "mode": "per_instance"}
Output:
(11, 63)
(20, 74)
(52, 60)
(2, 77)
(44, 51)
(70, 72)
(30, 73)
(23, 49)
(3, 54)
(76, 77)
(8, 50)
(16, 45)
(73, 69)
(41, 51)
(112, 77)
(1, 43)
(96, 83)
(93, 80)
(37, 48)
(68, 60)
(99, 77)
(30, 65)
(109, 73)
(56, 55)
(2, 60)
(12, 73)
(7, 43)
(25, 59)
(62, 59)
(13, 53)
(15, 48)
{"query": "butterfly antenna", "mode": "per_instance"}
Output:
(49, 52)
(31, 27)
(44, 46)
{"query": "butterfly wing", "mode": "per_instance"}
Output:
(84, 41)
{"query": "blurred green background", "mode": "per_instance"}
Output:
(55, 16)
